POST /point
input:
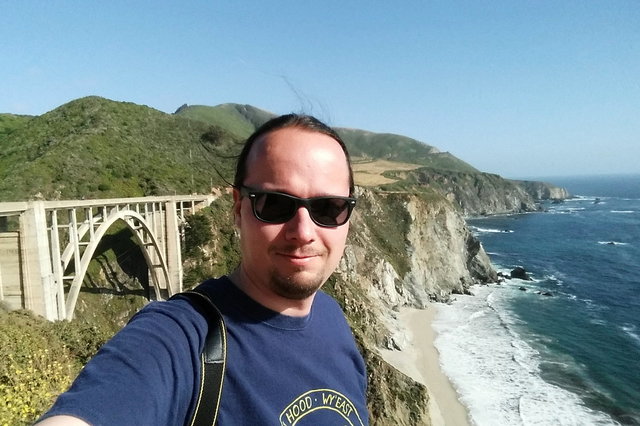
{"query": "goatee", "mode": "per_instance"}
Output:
(295, 287)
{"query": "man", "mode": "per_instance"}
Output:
(291, 357)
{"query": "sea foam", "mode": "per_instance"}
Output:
(632, 331)
(496, 373)
(489, 230)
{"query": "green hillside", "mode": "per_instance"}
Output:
(97, 148)
(399, 148)
(384, 145)
(240, 120)
(10, 122)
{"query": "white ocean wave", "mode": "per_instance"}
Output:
(496, 372)
(490, 230)
(632, 331)
(623, 211)
(554, 279)
(567, 210)
(613, 243)
(579, 198)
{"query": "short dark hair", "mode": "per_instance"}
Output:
(305, 122)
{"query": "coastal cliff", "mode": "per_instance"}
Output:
(405, 250)
(480, 194)
(543, 190)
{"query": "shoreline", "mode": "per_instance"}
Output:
(420, 360)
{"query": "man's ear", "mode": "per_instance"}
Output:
(237, 207)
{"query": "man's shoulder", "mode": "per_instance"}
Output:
(326, 306)
(180, 310)
(219, 290)
(324, 298)
(215, 286)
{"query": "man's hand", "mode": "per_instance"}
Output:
(62, 421)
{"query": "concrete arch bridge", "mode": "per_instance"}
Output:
(45, 255)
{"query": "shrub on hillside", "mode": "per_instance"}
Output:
(211, 243)
(81, 338)
(197, 233)
(35, 366)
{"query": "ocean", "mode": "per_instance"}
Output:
(564, 347)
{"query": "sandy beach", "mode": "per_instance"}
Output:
(420, 361)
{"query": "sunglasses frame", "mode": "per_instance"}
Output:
(253, 194)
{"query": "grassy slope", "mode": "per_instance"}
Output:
(11, 122)
(240, 120)
(400, 148)
(97, 148)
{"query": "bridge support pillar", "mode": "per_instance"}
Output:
(38, 284)
(174, 254)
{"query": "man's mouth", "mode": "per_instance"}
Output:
(298, 257)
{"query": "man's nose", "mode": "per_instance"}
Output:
(301, 226)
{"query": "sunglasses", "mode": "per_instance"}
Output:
(278, 207)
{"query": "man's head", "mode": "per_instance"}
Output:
(303, 122)
(289, 257)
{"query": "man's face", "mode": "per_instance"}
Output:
(292, 259)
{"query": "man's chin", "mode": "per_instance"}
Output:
(297, 286)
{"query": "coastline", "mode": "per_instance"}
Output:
(420, 360)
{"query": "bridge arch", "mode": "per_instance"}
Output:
(145, 238)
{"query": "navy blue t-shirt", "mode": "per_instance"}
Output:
(281, 370)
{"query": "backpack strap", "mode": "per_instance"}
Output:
(213, 360)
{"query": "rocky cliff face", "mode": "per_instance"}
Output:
(543, 190)
(479, 194)
(404, 250)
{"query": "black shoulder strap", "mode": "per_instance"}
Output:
(213, 360)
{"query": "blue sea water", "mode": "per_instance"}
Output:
(517, 356)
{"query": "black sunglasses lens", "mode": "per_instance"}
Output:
(329, 211)
(280, 208)
(275, 208)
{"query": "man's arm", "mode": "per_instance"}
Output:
(147, 372)
(62, 421)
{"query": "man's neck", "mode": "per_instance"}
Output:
(268, 299)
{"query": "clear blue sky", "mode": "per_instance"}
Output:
(518, 88)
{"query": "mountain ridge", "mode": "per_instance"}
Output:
(364, 145)
(86, 147)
